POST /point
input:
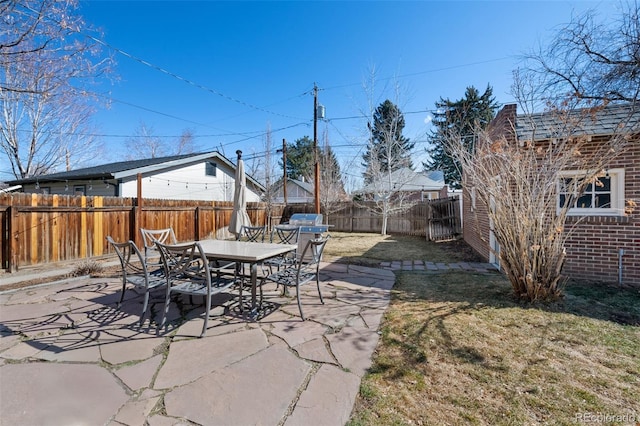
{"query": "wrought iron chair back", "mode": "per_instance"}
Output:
(283, 234)
(136, 272)
(149, 238)
(187, 272)
(254, 234)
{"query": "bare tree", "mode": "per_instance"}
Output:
(46, 67)
(519, 176)
(29, 26)
(590, 60)
(262, 168)
(185, 144)
(332, 193)
(386, 193)
(386, 157)
(144, 144)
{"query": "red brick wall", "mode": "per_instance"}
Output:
(593, 246)
(475, 225)
(475, 220)
(595, 241)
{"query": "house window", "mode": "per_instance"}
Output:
(604, 196)
(79, 189)
(211, 168)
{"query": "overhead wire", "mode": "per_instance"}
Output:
(258, 134)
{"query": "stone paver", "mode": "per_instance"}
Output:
(421, 265)
(257, 390)
(68, 356)
(138, 376)
(187, 362)
(327, 400)
(54, 393)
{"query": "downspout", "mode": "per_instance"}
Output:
(620, 254)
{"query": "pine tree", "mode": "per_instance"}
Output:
(388, 149)
(301, 159)
(465, 116)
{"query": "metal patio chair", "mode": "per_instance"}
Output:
(149, 238)
(305, 270)
(283, 234)
(136, 272)
(187, 272)
(254, 234)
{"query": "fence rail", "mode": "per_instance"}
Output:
(42, 228)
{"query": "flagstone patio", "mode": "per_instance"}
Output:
(67, 356)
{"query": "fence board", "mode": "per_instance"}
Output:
(444, 219)
(39, 228)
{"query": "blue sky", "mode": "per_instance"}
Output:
(229, 70)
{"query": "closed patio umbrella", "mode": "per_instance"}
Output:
(239, 216)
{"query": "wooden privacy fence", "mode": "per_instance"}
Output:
(40, 228)
(437, 220)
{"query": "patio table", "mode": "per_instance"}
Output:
(247, 252)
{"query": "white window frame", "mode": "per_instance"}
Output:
(617, 195)
(211, 169)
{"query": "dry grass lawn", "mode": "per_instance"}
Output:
(371, 249)
(457, 349)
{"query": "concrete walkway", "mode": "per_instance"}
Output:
(67, 356)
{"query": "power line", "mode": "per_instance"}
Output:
(183, 79)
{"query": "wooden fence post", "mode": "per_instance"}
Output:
(83, 227)
(98, 237)
(137, 223)
(13, 236)
(196, 223)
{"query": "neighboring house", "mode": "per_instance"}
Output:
(414, 186)
(298, 192)
(605, 242)
(203, 176)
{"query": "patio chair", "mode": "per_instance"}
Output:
(187, 272)
(305, 270)
(149, 238)
(135, 271)
(283, 234)
(254, 234)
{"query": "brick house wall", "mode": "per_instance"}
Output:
(475, 220)
(594, 245)
(475, 224)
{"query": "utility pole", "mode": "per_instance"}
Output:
(315, 149)
(284, 168)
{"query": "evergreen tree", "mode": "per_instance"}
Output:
(464, 116)
(388, 150)
(300, 159)
(300, 162)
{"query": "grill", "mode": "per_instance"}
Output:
(309, 223)
(310, 227)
